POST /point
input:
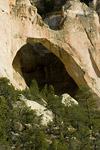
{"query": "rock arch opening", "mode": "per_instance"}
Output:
(36, 62)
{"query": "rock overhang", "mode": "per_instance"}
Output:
(36, 62)
(77, 40)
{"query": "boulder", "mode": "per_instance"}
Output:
(41, 111)
(68, 100)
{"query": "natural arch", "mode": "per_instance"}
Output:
(36, 62)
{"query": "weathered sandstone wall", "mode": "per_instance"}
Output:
(76, 42)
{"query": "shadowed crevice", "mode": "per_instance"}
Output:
(94, 66)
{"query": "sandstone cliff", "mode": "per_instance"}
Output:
(76, 41)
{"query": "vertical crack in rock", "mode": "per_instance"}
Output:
(97, 71)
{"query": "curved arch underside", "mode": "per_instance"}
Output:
(36, 62)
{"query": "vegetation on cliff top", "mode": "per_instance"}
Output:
(73, 128)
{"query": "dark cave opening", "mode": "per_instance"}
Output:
(86, 1)
(46, 6)
(36, 62)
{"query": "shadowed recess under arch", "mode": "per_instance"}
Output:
(36, 62)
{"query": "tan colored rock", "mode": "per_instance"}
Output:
(76, 44)
(12, 3)
(4, 6)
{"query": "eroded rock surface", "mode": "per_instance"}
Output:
(76, 42)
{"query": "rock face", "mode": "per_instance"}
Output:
(76, 42)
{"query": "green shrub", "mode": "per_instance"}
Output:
(73, 128)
